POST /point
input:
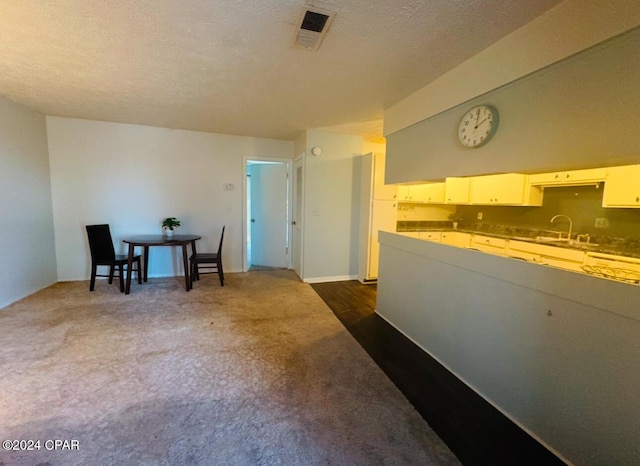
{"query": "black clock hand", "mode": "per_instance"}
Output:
(482, 122)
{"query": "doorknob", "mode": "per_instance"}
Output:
(293, 223)
(253, 220)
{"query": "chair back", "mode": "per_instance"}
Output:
(100, 242)
(220, 244)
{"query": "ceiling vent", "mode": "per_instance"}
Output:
(313, 26)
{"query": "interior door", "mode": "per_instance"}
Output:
(296, 240)
(268, 215)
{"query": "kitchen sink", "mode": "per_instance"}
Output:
(555, 240)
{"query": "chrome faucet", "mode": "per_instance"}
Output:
(570, 224)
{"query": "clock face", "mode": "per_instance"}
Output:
(477, 126)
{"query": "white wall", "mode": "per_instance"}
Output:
(132, 176)
(331, 218)
(27, 243)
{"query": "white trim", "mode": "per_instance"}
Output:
(338, 278)
(302, 159)
(245, 228)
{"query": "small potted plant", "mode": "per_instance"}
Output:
(455, 218)
(168, 225)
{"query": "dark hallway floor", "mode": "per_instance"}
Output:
(474, 430)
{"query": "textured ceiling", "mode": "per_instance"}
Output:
(228, 66)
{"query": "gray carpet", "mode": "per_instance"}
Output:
(259, 372)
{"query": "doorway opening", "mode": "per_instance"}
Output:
(267, 214)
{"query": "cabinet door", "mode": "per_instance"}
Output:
(489, 244)
(589, 175)
(433, 193)
(428, 193)
(457, 190)
(622, 188)
(455, 238)
(506, 189)
(408, 193)
(430, 235)
(564, 258)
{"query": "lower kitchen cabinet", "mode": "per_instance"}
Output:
(489, 244)
(430, 235)
(455, 238)
(564, 258)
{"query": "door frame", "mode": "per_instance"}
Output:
(299, 248)
(245, 227)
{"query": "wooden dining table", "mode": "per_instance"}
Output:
(146, 241)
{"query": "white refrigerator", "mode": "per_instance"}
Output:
(377, 213)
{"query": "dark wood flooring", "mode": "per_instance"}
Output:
(474, 430)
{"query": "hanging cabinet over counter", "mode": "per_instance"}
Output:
(504, 189)
(622, 188)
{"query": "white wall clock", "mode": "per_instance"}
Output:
(478, 126)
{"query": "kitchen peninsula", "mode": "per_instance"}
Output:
(557, 351)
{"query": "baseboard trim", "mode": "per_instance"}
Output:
(337, 278)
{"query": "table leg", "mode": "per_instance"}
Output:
(185, 262)
(127, 288)
(145, 275)
(193, 253)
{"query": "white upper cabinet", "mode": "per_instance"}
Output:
(429, 193)
(433, 193)
(573, 177)
(457, 190)
(622, 188)
(504, 189)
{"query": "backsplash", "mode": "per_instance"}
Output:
(583, 204)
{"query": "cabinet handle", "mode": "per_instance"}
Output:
(568, 176)
(556, 177)
(637, 199)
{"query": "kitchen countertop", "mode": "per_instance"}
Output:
(599, 244)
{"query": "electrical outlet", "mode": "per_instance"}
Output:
(479, 215)
(601, 222)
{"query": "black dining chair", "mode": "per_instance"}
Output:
(207, 262)
(103, 254)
